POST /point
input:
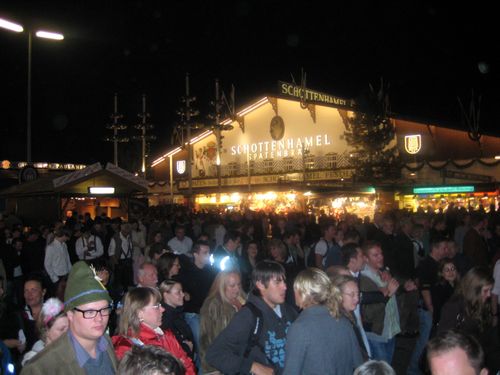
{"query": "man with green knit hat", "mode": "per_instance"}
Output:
(85, 349)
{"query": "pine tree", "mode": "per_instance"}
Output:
(371, 133)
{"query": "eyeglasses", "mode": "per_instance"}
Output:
(156, 307)
(91, 314)
(449, 269)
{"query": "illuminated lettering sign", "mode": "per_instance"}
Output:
(288, 89)
(443, 189)
(286, 147)
(270, 179)
(413, 143)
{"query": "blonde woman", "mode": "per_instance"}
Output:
(224, 299)
(173, 316)
(349, 301)
(321, 340)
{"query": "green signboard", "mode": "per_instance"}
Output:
(443, 189)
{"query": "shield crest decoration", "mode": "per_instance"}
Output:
(413, 143)
(181, 166)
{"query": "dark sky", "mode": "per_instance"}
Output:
(429, 54)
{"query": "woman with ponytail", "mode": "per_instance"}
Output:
(321, 340)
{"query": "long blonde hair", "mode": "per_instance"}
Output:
(218, 288)
(316, 288)
(340, 282)
(135, 300)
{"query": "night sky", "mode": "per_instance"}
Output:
(429, 55)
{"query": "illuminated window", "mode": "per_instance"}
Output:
(251, 166)
(232, 169)
(331, 160)
(309, 161)
(288, 164)
(268, 165)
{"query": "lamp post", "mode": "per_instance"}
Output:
(8, 25)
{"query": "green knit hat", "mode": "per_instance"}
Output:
(84, 286)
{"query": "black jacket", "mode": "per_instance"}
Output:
(197, 283)
(226, 353)
(173, 319)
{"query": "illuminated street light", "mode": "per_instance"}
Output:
(12, 26)
(49, 35)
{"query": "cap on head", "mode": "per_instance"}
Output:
(83, 286)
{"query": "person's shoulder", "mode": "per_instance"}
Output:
(250, 311)
(364, 277)
(497, 266)
(219, 250)
(291, 312)
(120, 340)
(212, 300)
(311, 318)
(169, 335)
(51, 356)
(455, 304)
(366, 282)
(320, 242)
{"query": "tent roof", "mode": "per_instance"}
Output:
(78, 182)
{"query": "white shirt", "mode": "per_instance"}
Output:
(93, 243)
(127, 248)
(321, 248)
(57, 261)
(138, 241)
(181, 247)
(37, 348)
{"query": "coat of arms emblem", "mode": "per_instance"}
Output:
(181, 166)
(413, 143)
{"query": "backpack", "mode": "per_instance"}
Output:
(332, 256)
(253, 339)
(311, 256)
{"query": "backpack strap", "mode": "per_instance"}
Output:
(255, 333)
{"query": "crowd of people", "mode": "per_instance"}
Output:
(177, 292)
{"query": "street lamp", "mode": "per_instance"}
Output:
(5, 24)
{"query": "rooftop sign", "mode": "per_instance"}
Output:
(302, 93)
(443, 189)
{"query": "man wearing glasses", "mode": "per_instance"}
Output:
(85, 349)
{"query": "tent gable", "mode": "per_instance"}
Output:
(95, 175)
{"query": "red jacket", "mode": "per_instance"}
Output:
(148, 336)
